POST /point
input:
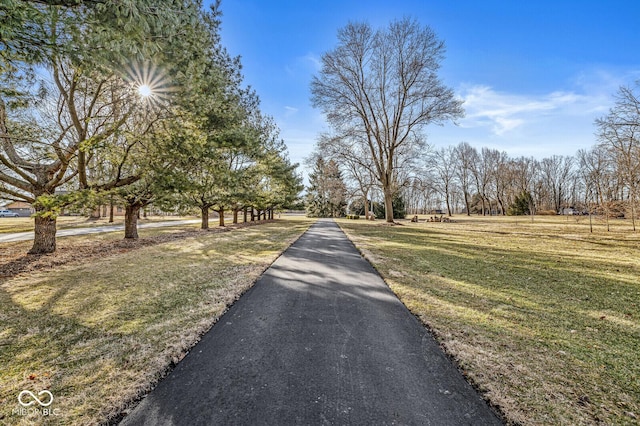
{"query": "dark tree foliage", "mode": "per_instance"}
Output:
(326, 194)
(521, 205)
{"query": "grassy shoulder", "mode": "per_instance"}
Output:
(97, 335)
(543, 317)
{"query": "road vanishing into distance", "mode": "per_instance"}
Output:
(319, 339)
(25, 236)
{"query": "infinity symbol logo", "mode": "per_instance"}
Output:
(35, 398)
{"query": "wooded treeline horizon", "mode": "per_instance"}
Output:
(379, 90)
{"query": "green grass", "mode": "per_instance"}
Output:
(99, 334)
(543, 318)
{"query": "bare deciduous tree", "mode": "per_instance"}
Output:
(466, 157)
(444, 164)
(381, 88)
(619, 132)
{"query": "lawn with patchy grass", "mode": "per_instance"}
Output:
(543, 317)
(99, 334)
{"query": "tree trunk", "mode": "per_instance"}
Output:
(205, 217)
(131, 221)
(388, 205)
(633, 210)
(501, 206)
(244, 214)
(111, 208)
(532, 209)
(366, 206)
(448, 205)
(466, 203)
(44, 240)
(235, 216)
(221, 214)
(253, 214)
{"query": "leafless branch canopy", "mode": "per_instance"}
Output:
(380, 88)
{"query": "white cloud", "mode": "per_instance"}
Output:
(289, 111)
(313, 60)
(504, 113)
(559, 122)
(304, 66)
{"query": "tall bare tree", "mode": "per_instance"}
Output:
(381, 88)
(556, 172)
(444, 164)
(619, 132)
(466, 157)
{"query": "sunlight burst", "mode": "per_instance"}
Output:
(149, 82)
(145, 91)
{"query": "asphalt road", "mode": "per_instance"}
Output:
(26, 236)
(320, 339)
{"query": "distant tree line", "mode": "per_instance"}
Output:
(135, 103)
(379, 89)
(603, 180)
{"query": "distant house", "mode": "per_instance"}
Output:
(572, 211)
(23, 208)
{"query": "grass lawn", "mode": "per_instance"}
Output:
(99, 334)
(543, 317)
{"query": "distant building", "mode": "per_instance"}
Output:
(23, 208)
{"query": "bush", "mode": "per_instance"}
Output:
(521, 205)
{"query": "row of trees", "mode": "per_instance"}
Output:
(487, 181)
(135, 100)
(379, 89)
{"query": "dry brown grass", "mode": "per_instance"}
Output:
(99, 334)
(543, 317)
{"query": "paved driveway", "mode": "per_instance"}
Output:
(26, 236)
(320, 339)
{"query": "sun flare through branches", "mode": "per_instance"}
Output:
(145, 91)
(149, 82)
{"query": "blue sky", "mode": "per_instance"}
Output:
(534, 74)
